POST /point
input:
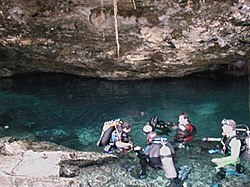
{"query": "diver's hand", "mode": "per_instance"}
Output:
(175, 127)
(137, 148)
(204, 139)
(169, 124)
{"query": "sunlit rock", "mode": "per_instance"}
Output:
(50, 165)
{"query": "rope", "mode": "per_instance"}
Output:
(134, 4)
(116, 28)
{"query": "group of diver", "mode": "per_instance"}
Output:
(160, 153)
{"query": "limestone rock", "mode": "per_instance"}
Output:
(52, 165)
(157, 39)
(43, 168)
(11, 148)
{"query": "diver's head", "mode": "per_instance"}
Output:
(147, 129)
(229, 122)
(228, 127)
(126, 127)
(183, 118)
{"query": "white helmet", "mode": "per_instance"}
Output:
(147, 129)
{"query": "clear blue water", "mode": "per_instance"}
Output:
(70, 110)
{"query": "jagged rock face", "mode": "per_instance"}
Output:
(157, 38)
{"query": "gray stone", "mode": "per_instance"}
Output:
(45, 164)
(28, 167)
(157, 39)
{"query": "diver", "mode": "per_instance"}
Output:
(233, 144)
(116, 136)
(160, 154)
(185, 129)
(161, 127)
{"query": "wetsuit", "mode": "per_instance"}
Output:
(160, 156)
(185, 135)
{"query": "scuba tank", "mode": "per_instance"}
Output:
(167, 160)
(108, 128)
(242, 131)
(248, 139)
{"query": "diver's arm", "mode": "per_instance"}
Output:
(138, 151)
(209, 139)
(163, 127)
(235, 152)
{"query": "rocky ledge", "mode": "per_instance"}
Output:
(28, 163)
(156, 38)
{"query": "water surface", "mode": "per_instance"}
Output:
(70, 110)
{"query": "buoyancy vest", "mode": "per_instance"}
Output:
(107, 134)
(226, 144)
(192, 128)
(120, 136)
(185, 135)
(189, 129)
(242, 134)
(153, 148)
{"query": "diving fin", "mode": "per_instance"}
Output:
(183, 172)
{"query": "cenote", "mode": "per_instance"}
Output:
(70, 111)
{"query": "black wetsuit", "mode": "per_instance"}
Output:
(151, 156)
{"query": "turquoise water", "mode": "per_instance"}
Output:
(70, 110)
